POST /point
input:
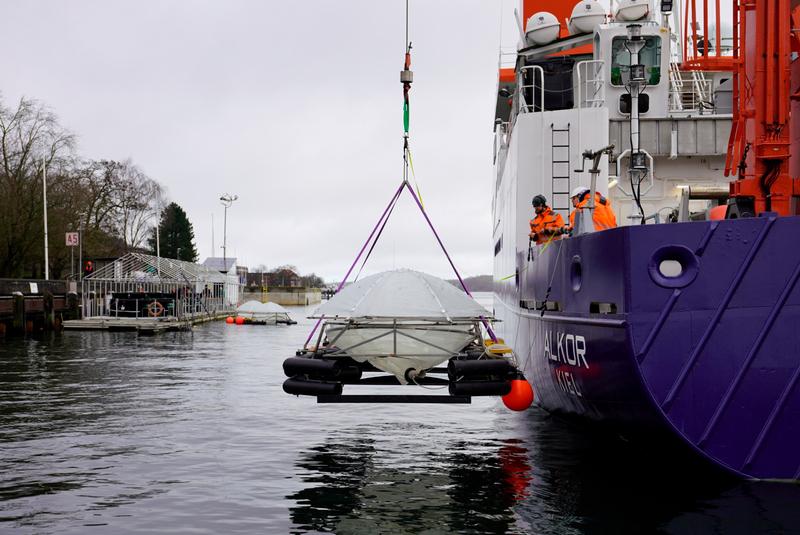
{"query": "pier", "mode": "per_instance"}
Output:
(28, 306)
(140, 325)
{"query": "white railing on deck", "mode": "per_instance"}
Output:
(591, 84)
(690, 91)
(522, 105)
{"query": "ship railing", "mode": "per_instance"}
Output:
(523, 106)
(507, 58)
(591, 84)
(676, 87)
(690, 91)
(591, 90)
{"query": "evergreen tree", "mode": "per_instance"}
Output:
(176, 235)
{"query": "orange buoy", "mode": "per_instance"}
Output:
(229, 319)
(239, 320)
(520, 397)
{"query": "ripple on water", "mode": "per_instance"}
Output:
(191, 432)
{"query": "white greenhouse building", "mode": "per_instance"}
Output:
(144, 286)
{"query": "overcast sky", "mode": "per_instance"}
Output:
(296, 107)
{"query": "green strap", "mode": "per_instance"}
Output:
(405, 117)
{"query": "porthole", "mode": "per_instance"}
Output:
(576, 273)
(673, 266)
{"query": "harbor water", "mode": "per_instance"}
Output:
(190, 432)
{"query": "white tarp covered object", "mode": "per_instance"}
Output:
(401, 320)
(256, 307)
(256, 310)
(402, 293)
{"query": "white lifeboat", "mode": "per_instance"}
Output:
(586, 16)
(542, 29)
(630, 10)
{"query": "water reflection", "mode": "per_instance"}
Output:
(192, 432)
(555, 478)
(592, 480)
(361, 485)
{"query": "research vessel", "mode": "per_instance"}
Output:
(685, 318)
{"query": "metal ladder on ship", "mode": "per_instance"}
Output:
(560, 170)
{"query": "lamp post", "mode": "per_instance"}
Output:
(44, 203)
(227, 201)
(158, 212)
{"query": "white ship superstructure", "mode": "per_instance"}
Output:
(684, 121)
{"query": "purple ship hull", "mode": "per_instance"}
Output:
(711, 355)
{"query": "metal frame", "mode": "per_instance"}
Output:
(196, 290)
(394, 329)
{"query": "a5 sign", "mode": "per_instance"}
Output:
(72, 239)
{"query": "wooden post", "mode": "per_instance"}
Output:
(49, 316)
(72, 306)
(18, 323)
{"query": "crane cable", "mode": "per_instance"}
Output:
(407, 77)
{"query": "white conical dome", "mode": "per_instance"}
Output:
(402, 293)
(257, 307)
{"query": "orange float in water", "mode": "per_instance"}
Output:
(239, 320)
(520, 397)
(229, 319)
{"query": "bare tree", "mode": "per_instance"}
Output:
(137, 199)
(312, 280)
(29, 135)
(114, 202)
(121, 201)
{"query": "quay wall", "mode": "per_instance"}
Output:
(32, 305)
(302, 296)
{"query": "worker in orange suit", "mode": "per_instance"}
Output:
(547, 224)
(603, 216)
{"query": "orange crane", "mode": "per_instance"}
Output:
(763, 146)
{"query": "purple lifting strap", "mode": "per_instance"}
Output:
(405, 184)
(436, 234)
(363, 248)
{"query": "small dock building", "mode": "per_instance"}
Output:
(140, 291)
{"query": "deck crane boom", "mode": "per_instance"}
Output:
(763, 147)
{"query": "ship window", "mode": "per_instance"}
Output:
(650, 57)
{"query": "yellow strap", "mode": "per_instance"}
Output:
(514, 275)
(547, 243)
(414, 176)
